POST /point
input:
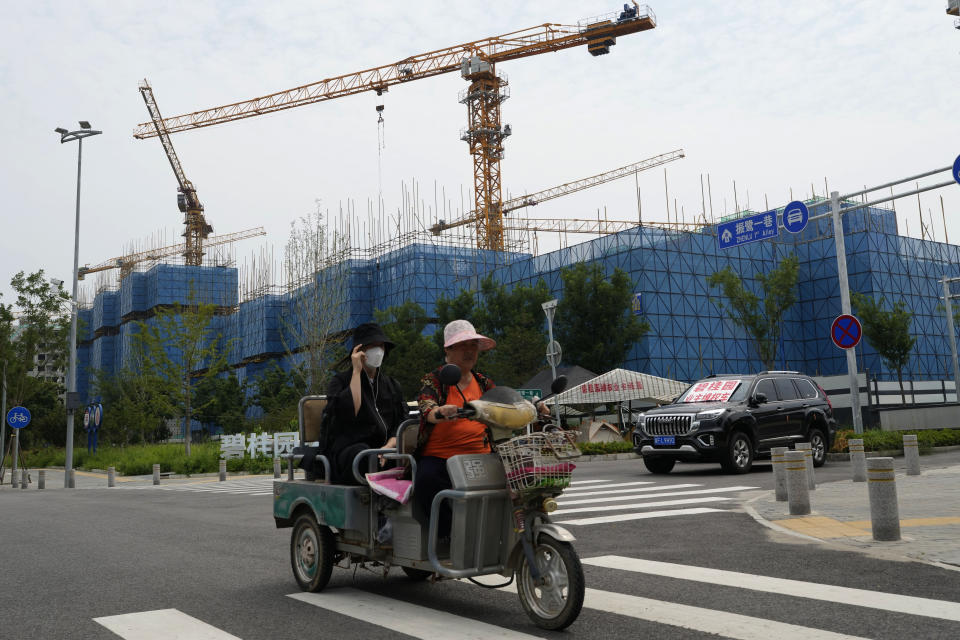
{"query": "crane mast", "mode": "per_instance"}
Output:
(196, 227)
(476, 62)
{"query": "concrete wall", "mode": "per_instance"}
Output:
(944, 416)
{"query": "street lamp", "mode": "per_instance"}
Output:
(69, 136)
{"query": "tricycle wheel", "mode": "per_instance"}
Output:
(416, 574)
(311, 553)
(556, 602)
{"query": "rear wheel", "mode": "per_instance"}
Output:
(659, 465)
(555, 602)
(818, 443)
(311, 553)
(738, 457)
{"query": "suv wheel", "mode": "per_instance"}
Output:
(739, 454)
(659, 465)
(819, 445)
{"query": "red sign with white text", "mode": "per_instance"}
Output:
(712, 391)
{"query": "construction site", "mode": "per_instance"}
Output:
(375, 259)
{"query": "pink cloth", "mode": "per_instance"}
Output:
(389, 483)
(563, 468)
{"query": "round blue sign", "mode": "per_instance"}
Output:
(18, 417)
(795, 216)
(956, 169)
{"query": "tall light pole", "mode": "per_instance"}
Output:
(69, 136)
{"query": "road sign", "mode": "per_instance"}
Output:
(18, 417)
(846, 331)
(554, 353)
(744, 230)
(795, 216)
(97, 415)
(86, 417)
(956, 169)
(530, 394)
(637, 304)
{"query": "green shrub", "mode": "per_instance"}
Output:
(876, 440)
(596, 448)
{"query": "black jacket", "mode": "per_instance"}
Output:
(347, 428)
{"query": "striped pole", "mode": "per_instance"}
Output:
(276, 467)
(884, 510)
(807, 449)
(911, 451)
(41, 479)
(778, 455)
(223, 470)
(859, 459)
(156, 474)
(798, 490)
(111, 477)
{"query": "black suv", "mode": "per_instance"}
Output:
(734, 419)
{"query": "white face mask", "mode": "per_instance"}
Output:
(374, 356)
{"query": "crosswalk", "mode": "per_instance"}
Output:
(423, 621)
(254, 486)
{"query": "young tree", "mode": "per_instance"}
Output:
(414, 354)
(181, 350)
(278, 393)
(594, 324)
(887, 331)
(221, 400)
(317, 273)
(761, 321)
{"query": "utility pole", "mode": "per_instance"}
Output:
(3, 421)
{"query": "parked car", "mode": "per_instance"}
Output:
(735, 419)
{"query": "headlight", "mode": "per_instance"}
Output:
(709, 414)
(641, 420)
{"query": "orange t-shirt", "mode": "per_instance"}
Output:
(455, 437)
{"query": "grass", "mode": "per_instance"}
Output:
(876, 440)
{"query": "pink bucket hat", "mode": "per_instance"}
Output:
(463, 330)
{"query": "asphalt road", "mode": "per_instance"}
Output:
(70, 557)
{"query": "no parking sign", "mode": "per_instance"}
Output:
(846, 331)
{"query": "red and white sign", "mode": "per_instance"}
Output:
(712, 391)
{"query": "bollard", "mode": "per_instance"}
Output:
(73, 478)
(778, 456)
(41, 479)
(808, 461)
(798, 487)
(23, 478)
(859, 460)
(290, 468)
(111, 477)
(911, 452)
(156, 474)
(884, 511)
(276, 467)
(223, 470)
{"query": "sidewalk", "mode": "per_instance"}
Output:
(840, 515)
(98, 479)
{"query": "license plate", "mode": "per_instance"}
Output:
(664, 440)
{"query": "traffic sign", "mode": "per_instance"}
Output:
(86, 418)
(956, 169)
(554, 353)
(97, 415)
(795, 216)
(744, 230)
(18, 417)
(530, 394)
(846, 331)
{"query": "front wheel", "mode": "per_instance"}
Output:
(312, 547)
(556, 601)
(659, 465)
(818, 443)
(738, 457)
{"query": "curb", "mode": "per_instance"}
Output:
(891, 453)
(607, 457)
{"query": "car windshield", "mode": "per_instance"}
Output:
(724, 390)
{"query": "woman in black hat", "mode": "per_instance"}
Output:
(367, 405)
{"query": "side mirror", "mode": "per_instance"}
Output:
(558, 385)
(450, 374)
(759, 397)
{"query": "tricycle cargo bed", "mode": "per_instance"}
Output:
(339, 506)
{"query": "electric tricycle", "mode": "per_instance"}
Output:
(499, 504)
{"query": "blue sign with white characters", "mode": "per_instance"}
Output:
(795, 216)
(18, 417)
(759, 226)
(956, 169)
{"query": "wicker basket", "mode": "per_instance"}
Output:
(539, 461)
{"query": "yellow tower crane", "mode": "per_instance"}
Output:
(476, 62)
(196, 228)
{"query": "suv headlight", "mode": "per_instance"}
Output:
(709, 414)
(641, 421)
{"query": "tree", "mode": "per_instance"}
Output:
(317, 276)
(594, 324)
(278, 393)
(221, 400)
(743, 307)
(449, 309)
(888, 332)
(414, 354)
(180, 348)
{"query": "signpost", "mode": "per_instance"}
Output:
(846, 331)
(530, 394)
(17, 418)
(795, 216)
(745, 230)
(956, 170)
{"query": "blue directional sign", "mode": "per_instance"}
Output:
(750, 229)
(956, 169)
(18, 417)
(795, 216)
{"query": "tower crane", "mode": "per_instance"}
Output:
(534, 199)
(487, 90)
(196, 227)
(127, 263)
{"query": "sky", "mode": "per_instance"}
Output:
(774, 96)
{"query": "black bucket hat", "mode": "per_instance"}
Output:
(370, 332)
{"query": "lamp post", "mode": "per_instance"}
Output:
(553, 349)
(69, 136)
